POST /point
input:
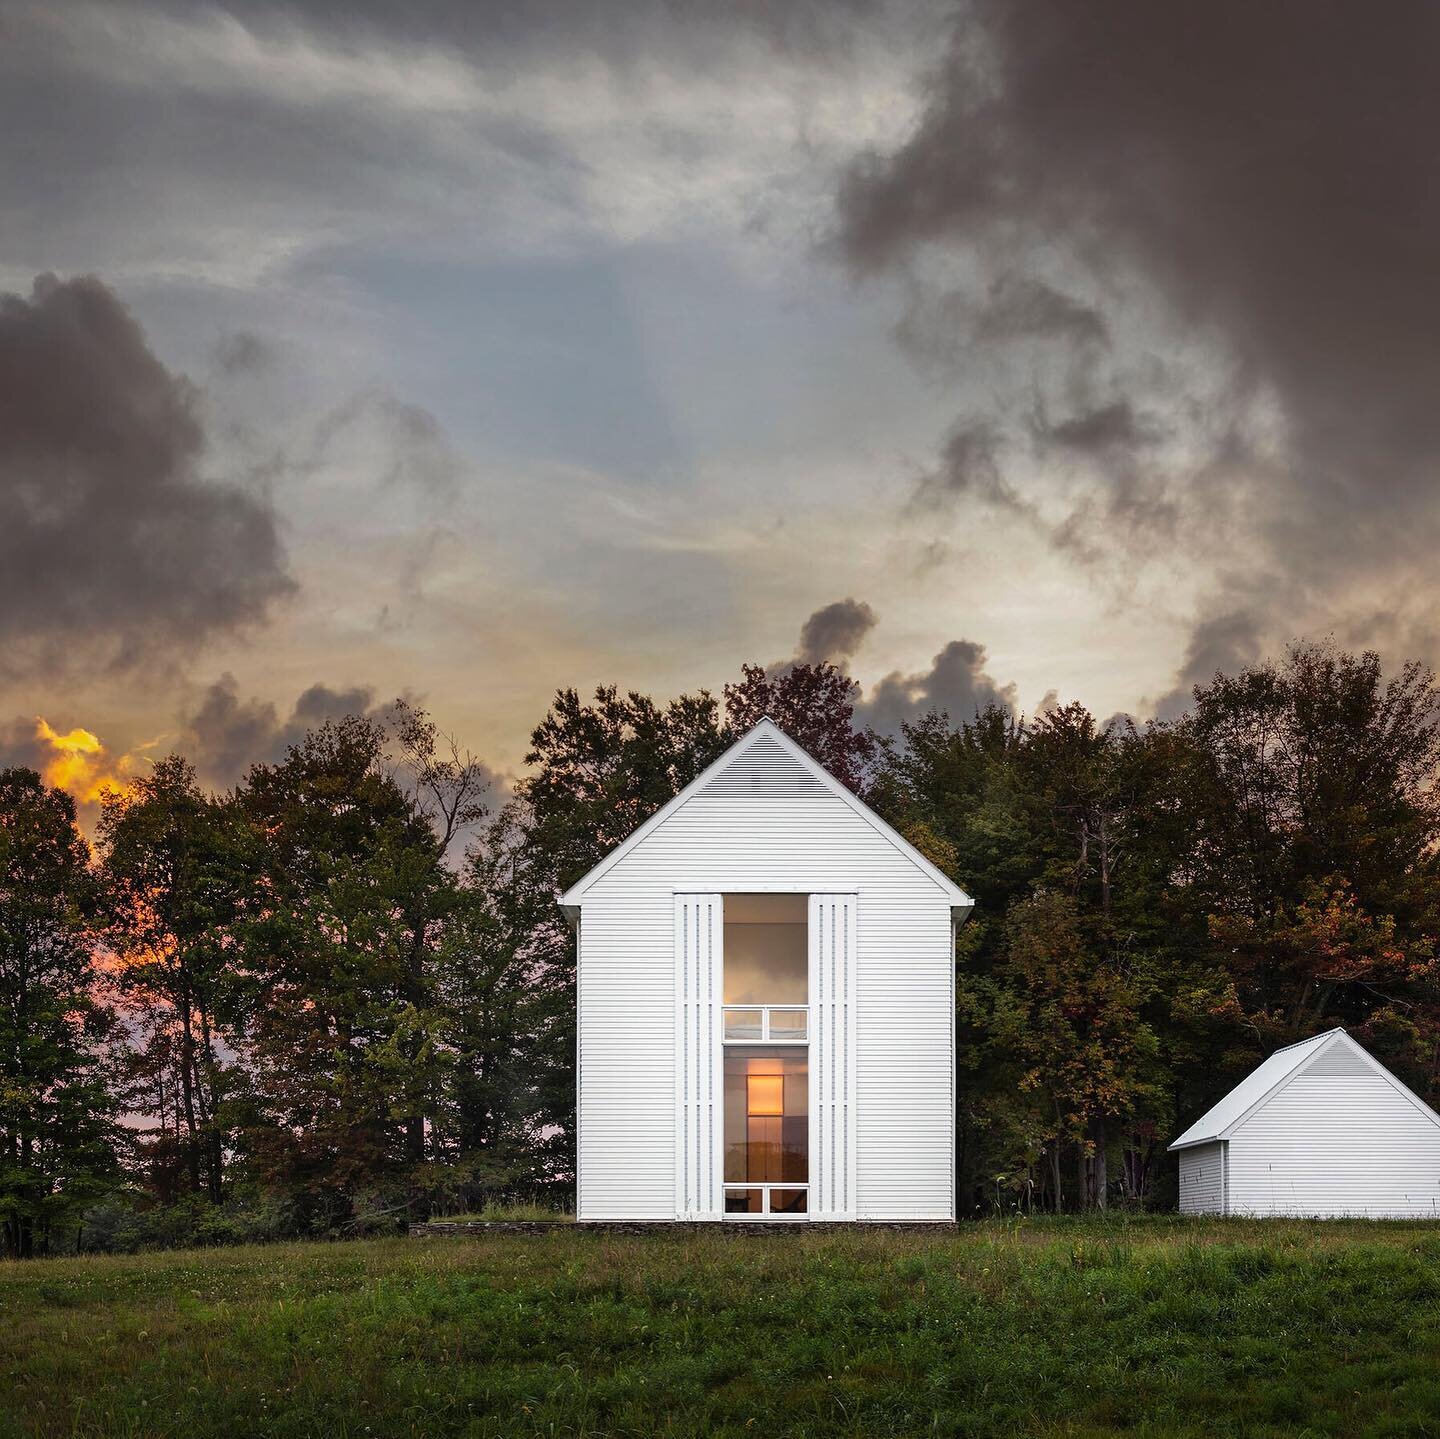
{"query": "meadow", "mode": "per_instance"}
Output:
(1148, 1326)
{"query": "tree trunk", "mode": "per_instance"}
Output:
(1130, 1171)
(1105, 869)
(414, 1124)
(1098, 1170)
(187, 1091)
(415, 1139)
(20, 1237)
(962, 1137)
(214, 1143)
(1136, 1168)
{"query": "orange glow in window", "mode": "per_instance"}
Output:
(764, 1094)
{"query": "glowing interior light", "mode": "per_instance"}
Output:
(764, 1095)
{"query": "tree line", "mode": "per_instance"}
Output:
(340, 995)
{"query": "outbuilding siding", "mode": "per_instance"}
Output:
(1338, 1139)
(1202, 1179)
(766, 823)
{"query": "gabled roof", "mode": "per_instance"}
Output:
(767, 729)
(1262, 1084)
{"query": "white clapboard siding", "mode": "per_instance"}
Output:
(1333, 1145)
(1323, 1129)
(765, 821)
(1202, 1179)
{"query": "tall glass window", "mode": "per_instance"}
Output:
(767, 1123)
(767, 1083)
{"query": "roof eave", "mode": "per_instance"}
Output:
(1191, 1143)
(1218, 1135)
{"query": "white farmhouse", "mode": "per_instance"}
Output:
(766, 1006)
(1320, 1129)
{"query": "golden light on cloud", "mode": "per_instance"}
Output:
(80, 763)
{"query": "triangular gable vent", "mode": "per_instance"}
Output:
(765, 766)
(1339, 1062)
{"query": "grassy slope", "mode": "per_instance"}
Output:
(1049, 1327)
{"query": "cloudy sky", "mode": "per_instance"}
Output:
(469, 350)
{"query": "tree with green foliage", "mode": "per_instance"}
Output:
(350, 982)
(598, 771)
(505, 977)
(961, 784)
(1316, 848)
(1072, 1019)
(1069, 838)
(59, 1139)
(169, 856)
(341, 1031)
(447, 787)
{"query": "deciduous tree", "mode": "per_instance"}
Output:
(814, 705)
(170, 872)
(58, 1135)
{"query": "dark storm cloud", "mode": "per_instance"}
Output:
(21, 745)
(1019, 307)
(226, 733)
(944, 329)
(969, 465)
(956, 684)
(1133, 504)
(1102, 430)
(115, 547)
(1267, 174)
(243, 352)
(1222, 644)
(835, 632)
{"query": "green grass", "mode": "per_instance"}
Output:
(1154, 1327)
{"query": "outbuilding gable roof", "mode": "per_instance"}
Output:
(766, 735)
(1333, 1051)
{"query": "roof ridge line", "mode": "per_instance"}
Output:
(1324, 1034)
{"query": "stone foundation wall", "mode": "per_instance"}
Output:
(661, 1228)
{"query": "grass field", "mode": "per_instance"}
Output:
(1151, 1326)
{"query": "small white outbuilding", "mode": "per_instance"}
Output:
(766, 1006)
(1322, 1130)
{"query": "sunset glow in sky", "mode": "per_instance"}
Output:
(466, 351)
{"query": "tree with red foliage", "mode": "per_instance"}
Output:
(814, 705)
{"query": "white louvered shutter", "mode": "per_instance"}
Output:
(699, 1097)
(832, 1052)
